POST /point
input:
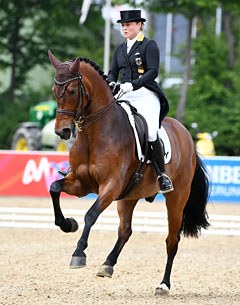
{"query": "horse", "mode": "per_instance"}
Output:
(103, 161)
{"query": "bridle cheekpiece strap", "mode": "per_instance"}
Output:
(60, 93)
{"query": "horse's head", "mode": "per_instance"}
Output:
(83, 98)
(70, 93)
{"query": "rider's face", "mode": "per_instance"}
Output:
(131, 29)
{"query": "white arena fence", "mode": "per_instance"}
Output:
(42, 218)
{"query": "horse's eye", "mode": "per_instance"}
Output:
(72, 92)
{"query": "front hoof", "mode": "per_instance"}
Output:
(105, 270)
(162, 290)
(74, 224)
(69, 225)
(77, 262)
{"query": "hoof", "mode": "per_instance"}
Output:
(105, 271)
(162, 290)
(74, 224)
(77, 262)
(69, 225)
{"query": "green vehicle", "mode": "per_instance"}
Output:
(38, 133)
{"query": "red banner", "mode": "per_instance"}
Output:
(30, 173)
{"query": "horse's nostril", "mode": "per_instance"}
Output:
(65, 133)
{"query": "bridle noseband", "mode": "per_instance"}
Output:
(79, 118)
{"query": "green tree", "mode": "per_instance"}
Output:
(210, 101)
(29, 28)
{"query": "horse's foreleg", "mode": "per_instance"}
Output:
(66, 224)
(79, 257)
(125, 211)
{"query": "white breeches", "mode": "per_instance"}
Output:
(147, 104)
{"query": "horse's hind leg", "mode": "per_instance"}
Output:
(175, 206)
(125, 210)
(66, 224)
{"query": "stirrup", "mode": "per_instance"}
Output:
(165, 184)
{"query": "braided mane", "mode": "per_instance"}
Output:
(93, 64)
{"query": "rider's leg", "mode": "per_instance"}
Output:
(151, 112)
(157, 156)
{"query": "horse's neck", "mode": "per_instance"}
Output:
(100, 93)
(107, 125)
(113, 127)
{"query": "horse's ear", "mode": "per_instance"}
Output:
(54, 61)
(74, 68)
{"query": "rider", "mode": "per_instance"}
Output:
(137, 61)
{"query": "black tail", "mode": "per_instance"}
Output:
(195, 214)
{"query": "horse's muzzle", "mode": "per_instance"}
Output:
(64, 134)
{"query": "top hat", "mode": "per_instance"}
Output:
(130, 16)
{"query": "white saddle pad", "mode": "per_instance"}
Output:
(167, 146)
(162, 134)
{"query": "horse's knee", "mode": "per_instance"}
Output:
(56, 187)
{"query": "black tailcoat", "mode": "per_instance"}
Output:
(140, 67)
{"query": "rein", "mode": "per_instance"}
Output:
(100, 114)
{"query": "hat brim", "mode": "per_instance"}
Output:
(131, 20)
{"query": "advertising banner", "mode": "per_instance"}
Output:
(225, 177)
(31, 174)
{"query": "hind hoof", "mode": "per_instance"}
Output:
(105, 271)
(77, 262)
(162, 290)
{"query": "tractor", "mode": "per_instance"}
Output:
(38, 133)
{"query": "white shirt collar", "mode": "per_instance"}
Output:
(130, 42)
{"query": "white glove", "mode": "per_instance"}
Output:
(112, 84)
(126, 87)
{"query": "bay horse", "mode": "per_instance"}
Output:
(103, 160)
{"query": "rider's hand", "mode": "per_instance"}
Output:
(126, 87)
(114, 87)
(112, 84)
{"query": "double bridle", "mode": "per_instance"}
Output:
(80, 120)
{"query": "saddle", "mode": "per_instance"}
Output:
(141, 138)
(140, 130)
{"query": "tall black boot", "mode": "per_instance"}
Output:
(157, 156)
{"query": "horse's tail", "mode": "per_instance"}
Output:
(195, 215)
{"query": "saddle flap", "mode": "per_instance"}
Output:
(140, 131)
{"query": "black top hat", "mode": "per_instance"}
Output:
(130, 16)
